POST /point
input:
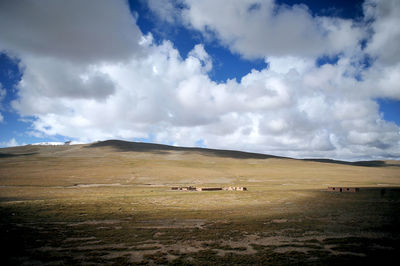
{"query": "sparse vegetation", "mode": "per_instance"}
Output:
(104, 205)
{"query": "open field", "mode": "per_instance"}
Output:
(111, 203)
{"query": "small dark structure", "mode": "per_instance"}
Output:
(208, 188)
(344, 189)
(189, 188)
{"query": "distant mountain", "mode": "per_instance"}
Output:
(127, 146)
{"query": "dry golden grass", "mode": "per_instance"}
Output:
(113, 197)
(82, 165)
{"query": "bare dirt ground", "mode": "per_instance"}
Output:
(109, 205)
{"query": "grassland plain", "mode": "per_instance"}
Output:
(111, 204)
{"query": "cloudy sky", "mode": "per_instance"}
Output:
(294, 77)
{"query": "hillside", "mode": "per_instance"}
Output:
(141, 163)
(126, 146)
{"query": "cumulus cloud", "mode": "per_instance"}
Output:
(297, 111)
(166, 10)
(62, 43)
(2, 92)
(81, 31)
(263, 28)
(141, 89)
(11, 143)
(386, 33)
(2, 95)
(384, 76)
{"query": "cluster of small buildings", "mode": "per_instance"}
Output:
(190, 188)
(344, 189)
(235, 188)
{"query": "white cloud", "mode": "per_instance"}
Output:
(384, 42)
(284, 64)
(199, 53)
(292, 108)
(3, 93)
(90, 31)
(165, 10)
(11, 143)
(264, 28)
(384, 77)
(268, 111)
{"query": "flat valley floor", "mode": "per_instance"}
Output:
(110, 205)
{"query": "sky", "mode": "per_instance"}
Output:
(297, 78)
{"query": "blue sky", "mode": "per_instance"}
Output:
(299, 78)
